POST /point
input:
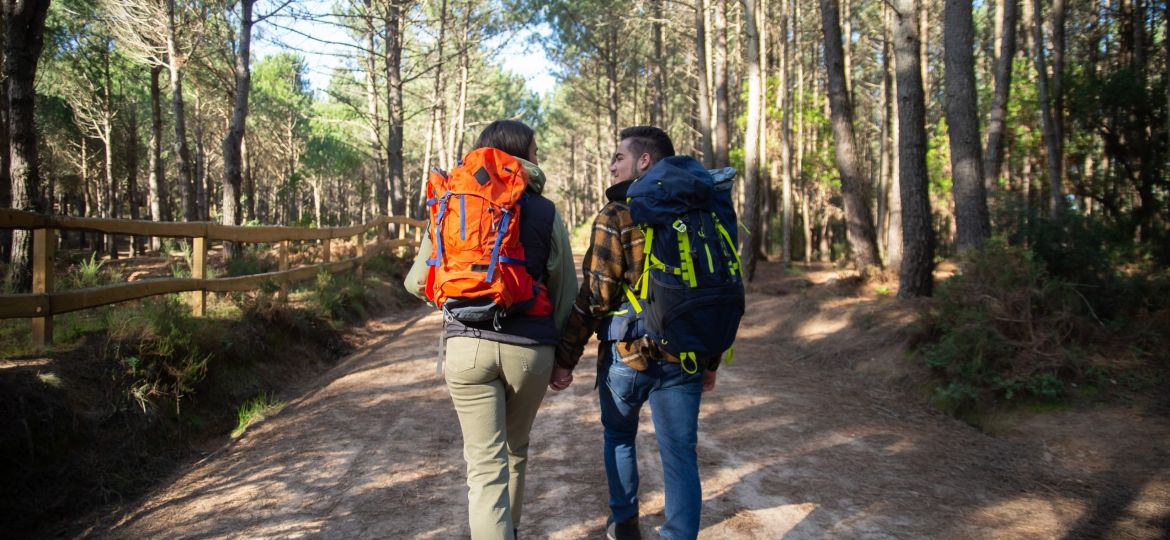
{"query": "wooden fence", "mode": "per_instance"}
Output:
(43, 302)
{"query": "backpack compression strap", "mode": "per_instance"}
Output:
(439, 230)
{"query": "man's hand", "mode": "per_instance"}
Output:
(560, 379)
(708, 380)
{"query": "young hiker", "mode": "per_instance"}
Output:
(662, 332)
(498, 358)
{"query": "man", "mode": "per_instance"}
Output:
(630, 369)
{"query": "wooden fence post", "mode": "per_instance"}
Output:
(199, 271)
(42, 251)
(360, 242)
(327, 256)
(283, 267)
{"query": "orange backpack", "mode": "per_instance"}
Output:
(477, 268)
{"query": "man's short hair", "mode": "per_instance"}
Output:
(648, 140)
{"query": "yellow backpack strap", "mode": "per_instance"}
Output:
(729, 355)
(693, 367)
(684, 254)
(633, 299)
(732, 266)
(648, 261)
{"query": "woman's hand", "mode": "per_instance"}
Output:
(560, 379)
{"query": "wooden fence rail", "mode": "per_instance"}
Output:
(43, 303)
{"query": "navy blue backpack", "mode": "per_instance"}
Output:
(691, 289)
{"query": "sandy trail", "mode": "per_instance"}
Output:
(800, 439)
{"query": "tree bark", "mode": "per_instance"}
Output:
(373, 101)
(24, 25)
(996, 124)
(722, 105)
(703, 57)
(395, 175)
(182, 151)
(658, 89)
(751, 167)
(133, 197)
(1051, 137)
(5, 162)
(233, 140)
(156, 181)
(784, 103)
(971, 216)
(859, 230)
(915, 274)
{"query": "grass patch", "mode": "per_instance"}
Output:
(254, 411)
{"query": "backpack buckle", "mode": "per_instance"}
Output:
(679, 226)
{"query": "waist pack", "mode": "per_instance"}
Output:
(691, 292)
(477, 268)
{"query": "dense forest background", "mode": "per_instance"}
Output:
(888, 134)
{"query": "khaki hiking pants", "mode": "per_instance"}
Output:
(497, 389)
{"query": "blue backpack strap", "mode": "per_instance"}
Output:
(504, 221)
(439, 230)
(462, 217)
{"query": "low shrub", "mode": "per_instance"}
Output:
(1005, 328)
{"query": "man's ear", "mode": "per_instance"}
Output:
(644, 162)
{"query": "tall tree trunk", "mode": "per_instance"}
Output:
(202, 209)
(996, 124)
(924, 46)
(5, 162)
(784, 104)
(377, 150)
(394, 120)
(111, 185)
(133, 194)
(24, 24)
(233, 140)
(156, 181)
(1058, 46)
(249, 179)
(971, 217)
(859, 230)
(182, 152)
(885, 152)
(1051, 137)
(658, 89)
(722, 103)
(611, 80)
(703, 57)
(915, 274)
(751, 142)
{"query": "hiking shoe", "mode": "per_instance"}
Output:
(625, 530)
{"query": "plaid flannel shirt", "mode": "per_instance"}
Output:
(614, 259)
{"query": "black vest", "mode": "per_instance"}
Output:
(537, 215)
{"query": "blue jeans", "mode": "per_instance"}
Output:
(674, 405)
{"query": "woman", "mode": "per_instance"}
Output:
(498, 371)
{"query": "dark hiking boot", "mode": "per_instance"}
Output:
(625, 530)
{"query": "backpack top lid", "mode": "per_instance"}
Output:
(670, 188)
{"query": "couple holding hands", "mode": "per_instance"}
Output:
(660, 288)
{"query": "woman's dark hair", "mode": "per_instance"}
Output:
(511, 136)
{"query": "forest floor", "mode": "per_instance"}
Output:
(819, 429)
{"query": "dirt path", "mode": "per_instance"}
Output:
(803, 438)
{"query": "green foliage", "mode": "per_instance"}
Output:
(256, 410)
(248, 262)
(1001, 326)
(156, 352)
(1012, 325)
(86, 274)
(339, 298)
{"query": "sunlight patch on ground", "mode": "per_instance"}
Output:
(1044, 514)
(819, 328)
(773, 522)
